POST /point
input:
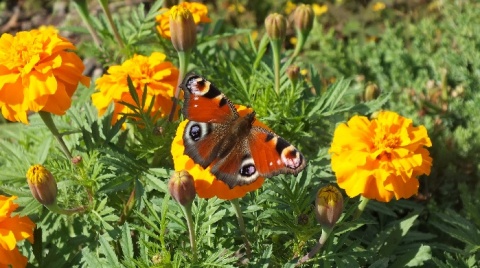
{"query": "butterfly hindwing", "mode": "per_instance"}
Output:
(204, 102)
(238, 167)
(201, 141)
(274, 155)
(261, 154)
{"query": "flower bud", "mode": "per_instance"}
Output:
(293, 72)
(276, 26)
(329, 206)
(183, 30)
(42, 184)
(371, 92)
(303, 18)
(76, 160)
(182, 187)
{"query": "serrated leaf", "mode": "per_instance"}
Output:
(110, 255)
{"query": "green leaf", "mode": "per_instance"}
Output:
(110, 255)
(126, 241)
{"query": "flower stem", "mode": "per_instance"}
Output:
(187, 210)
(183, 59)
(82, 9)
(241, 224)
(321, 242)
(104, 4)
(361, 207)
(276, 62)
(56, 209)
(301, 38)
(48, 120)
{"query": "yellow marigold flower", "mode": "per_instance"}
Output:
(38, 72)
(319, 9)
(12, 230)
(289, 7)
(159, 75)
(382, 158)
(378, 6)
(206, 184)
(198, 10)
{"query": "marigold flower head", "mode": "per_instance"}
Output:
(199, 12)
(328, 206)
(206, 184)
(42, 184)
(382, 158)
(12, 230)
(159, 75)
(38, 72)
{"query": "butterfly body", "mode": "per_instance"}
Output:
(237, 149)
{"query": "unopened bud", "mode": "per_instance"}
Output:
(371, 92)
(303, 18)
(183, 30)
(76, 160)
(276, 26)
(42, 184)
(182, 187)
(293, 72)
(328, 206)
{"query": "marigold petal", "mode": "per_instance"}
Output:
(7, 238)
(12, 258)
(12, 230)
(20, 227)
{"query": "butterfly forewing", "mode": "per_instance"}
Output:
(204, 102)
(273, 155)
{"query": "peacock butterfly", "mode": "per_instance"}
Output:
(237, 150)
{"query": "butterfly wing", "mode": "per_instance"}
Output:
(237, 168)
(274, 155)
(210, 114)
(204, 102)
(261, 154)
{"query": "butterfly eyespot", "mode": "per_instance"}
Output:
(195, 132)
(248, 170)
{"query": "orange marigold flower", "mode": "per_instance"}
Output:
(38, 72)
(382, 158)
(206, 184)
(159, 75)
(198, 10)
(12, 230)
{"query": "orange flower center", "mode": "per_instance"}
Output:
(24, 52)
(385, 142)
